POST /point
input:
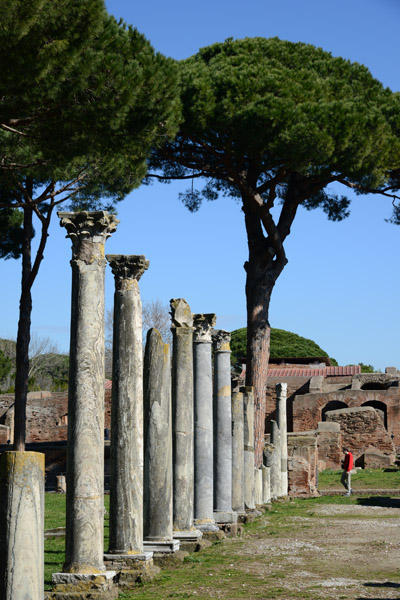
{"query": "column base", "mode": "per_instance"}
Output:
(161, 546)
(205, 525)
(188, 535)
(132, 568)
(222, 516)
(100, 586)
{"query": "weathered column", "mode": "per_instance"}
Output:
(88, 232)
(258, 495)
(281, 394)
(222, 428)
(266, 482)
(203, 423)
(182, 420)
(275, 464)
(21, 525)
(157, 523)
(248, 414)
(237, 452)
(126, 481)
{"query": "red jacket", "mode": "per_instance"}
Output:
(348, 462)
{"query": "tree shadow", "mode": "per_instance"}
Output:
(385, 501)
(386, 584)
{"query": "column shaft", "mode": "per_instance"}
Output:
(157, 440)
(126, 481)
(281, 395)
(203, 422)
(222, 409)
(21, 525)
(85, 450)
(237, 452)
(248, 413)
(182, 415)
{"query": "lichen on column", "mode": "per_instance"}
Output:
(88, 232)
(126, 477)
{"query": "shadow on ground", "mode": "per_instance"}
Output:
(385, 501)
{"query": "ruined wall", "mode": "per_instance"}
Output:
(46, 415)
(362, 428)
(302, 464)
(296, 385)
(329, 441)
(308, 408)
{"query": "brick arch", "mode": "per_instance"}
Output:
(332, 405)
(380, 408)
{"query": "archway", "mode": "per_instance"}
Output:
(332, 405)
(380, 408)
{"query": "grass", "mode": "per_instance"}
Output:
(372, 479)
(226, 570)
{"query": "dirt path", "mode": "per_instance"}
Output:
(330, 549)
(333, 552)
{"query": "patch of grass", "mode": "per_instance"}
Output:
(372, 479)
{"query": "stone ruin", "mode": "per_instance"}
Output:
(182, 446)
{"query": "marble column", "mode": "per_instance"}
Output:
(21, 525)
(126, 477)
(237, 452)
(157, 517)
(276, 465)
(222, 428)
(182, 419)
(258, 494)
(248, 414)
(88, 232)
(281, 395)
(203, 423)
(266, 482)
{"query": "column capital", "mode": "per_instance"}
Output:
(127, 266)
(221, 340)
(93, 227)
(281, 390)
(203, 325)
(181, 315)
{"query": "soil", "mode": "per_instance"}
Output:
(338, 551)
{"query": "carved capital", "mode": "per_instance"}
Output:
(203, 324)
(86, 230)
(181, 315)
(221, 340)
(127, 266)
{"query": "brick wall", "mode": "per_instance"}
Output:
(307, 408)
(302, 464)
(362, 428)
(46, 415)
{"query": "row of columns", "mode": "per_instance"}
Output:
(175, 441)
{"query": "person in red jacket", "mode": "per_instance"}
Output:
(347, 465)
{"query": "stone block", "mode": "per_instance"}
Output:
(170, 560)
(214, 536)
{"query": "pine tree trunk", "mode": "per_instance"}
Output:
(263, 269)
(258, 294)
(23, 337)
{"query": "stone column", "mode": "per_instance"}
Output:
(266, 482)
(203, 423)
(182, 420)
(276, 469)
(88, 232)
(248, 413)
(258, 494)
(21, 525)
(157, 522)
(222, 425)
(126, 481)
(281, 394)
(237, 452)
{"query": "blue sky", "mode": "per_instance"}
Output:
(341, 285)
